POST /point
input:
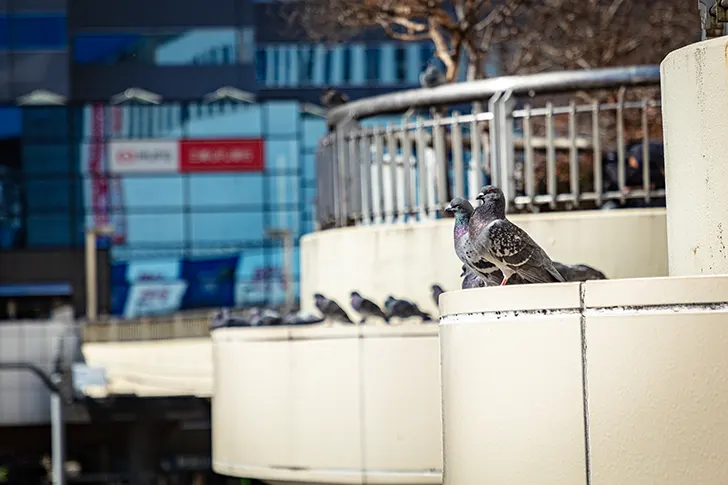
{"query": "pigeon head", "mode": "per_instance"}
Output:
(355, 294)
(464, 270)
(493, 199)
(318, 297)
(459, 206)
(490, 192)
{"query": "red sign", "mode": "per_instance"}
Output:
(240, 155)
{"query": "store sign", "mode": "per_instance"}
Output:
(143, 156)
(239, 155)
(150, 298)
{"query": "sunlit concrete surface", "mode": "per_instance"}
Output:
(695, 121)
(405, 259)
(179, 367)
(623, 381)
(347, 405)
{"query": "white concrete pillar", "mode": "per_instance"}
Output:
(695, 125)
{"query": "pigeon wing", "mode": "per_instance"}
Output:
(335, 310)
(513, 246)
(371, 308)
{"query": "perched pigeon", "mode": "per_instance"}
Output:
(366, 308)
(224, 318)
(331, 310)
(431, 77)
(464, 250)
(301, 318)
(265, 316)
(506, 245)
(436, 292)
(578, 272)
(472, 280)
(404, 309)
(332, 97)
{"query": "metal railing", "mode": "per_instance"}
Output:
(543, 138)
(176, 326)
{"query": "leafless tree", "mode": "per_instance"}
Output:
(453, 26)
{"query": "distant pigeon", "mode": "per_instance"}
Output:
(301, 318)
(578, 272)
(432, 77)
(366, 308)
(472, 280)
(506, 245)
(404, 309)
(464, 250)
(265, 316)
(331, 98)
(436, 292)
(331, 310)
(224, 318)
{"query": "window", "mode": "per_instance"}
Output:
(261, 64)
(209, 46)
(372, 62)
(400, 64)
(347, 65)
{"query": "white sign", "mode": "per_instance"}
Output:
(154, 298)
(143, 156)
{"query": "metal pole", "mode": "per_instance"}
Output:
(91, 279)
(58, 441)
(288, 268)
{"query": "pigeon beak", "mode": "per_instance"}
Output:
(449, 208)
(480, 197)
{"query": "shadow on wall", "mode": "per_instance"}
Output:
(405, 260)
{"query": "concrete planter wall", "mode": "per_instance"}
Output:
(620, 381)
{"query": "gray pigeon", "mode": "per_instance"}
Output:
(506, 245)
(404, 309)
(225, 319)
(472, 280)
(431, 77)
(332, 97)
(578, 272)
(331, 310)
(366, 308)
(436, 292)
(301, 318)
(265, 316)
(464, 250)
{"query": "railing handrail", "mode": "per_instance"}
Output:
(544, 83)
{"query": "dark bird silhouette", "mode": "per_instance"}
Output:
(225, 319)
(265, 316)
(404, 309)
(472, 280)
(331, 310)
(301, 318)
(436, 292)
(578, 272)
(506, 245)
(366, 308)
(332, 97)
(432, 77)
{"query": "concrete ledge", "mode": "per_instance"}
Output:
(328, 405)
(628, 387)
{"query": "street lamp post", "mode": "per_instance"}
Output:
(287, 237)
(92, 234)
(58, 440)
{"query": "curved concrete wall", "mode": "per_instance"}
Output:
(181, 367)
(405, 259)
(328, 405)
(597, 383)
(695, 121)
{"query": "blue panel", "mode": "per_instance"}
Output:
(33, 32)
(282, 118)
(10, 122)
(40, 289)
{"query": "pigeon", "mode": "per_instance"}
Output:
(366, 308)
(332, 97)
(486, 270)
(404, 309)
(472, 280)
(331, 310)
(436, 292)
(578, 272)
(301, 318)
(495, 238)
(431, 77)
(265, 316)
(224, 318)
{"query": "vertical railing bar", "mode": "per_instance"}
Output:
(597, 147)
(621, 162)
(422, 181)
(573, 155)
(528, 157)
(474, 179)
(392, 149)
(646, 183)
(438, 144)
(457, 156)
(365, 151)
(355, 166)
(550, 155)
(408, 199)
(378, 166)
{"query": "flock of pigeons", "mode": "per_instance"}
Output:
(494, 251)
